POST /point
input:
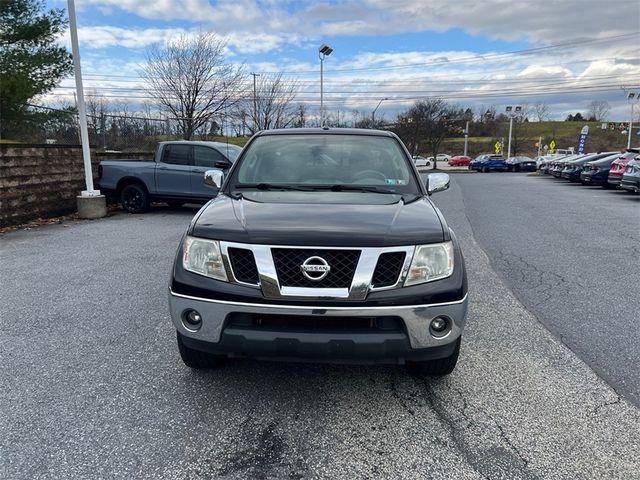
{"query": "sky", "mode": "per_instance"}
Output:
(565, 53)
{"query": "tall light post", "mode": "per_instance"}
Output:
(91, 204)
(632, 97)
(512, 112)
(373, 114)
(255, 102)
(466, 137)
(323, 52)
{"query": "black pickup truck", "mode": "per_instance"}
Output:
(322, 245)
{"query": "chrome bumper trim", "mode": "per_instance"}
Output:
(415, 317)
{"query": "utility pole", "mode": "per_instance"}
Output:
(466, 137)
(255, 102)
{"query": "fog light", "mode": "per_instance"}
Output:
(439, 326)
(192, 318)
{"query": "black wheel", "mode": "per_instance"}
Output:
(195, 358)
(134, 198)
(436, 368)
(485, 169)
(175, 204)
(517, 168)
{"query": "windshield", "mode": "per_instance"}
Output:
(316, 161)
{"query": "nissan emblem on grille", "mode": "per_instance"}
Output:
(315, 268)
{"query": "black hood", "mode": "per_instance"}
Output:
(320, 219)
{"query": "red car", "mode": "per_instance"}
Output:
(459, 160)
(618, 166)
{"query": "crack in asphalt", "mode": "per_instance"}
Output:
(617, 401)
(459, 427)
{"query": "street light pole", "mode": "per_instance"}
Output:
(511, 112)
(255, 102)
(323, 51)
(510, 130)
(466, 137)
(90, 203)
(373, 114)
(82, 112)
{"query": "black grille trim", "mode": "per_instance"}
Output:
(243, 265)
(388, 269)
(343, 265)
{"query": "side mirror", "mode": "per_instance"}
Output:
(437, 182)
(213, 178)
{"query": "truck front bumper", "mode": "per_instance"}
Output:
(414, 341)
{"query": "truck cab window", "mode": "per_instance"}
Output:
(176, 154)
(206, 157)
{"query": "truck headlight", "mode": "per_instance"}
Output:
(430, 262)
(203, 256)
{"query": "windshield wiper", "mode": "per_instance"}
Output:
(358, 188)
(270, 186)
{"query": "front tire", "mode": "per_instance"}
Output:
(134, 198)
(197, 359)
(485, 169)
(438, 367)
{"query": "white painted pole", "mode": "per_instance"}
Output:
(630, 128)
(510, 128)
(84, 133)
(321, 92)
(466, 137)
(539, 146)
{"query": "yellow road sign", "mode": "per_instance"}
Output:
(497, 147)
(552, 146)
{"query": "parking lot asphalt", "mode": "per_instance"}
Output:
(92, 385)
(571, 255)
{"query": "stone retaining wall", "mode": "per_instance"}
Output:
(39, 181)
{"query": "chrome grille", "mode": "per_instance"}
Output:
(388, 269)
(243, 265)
(289, 260)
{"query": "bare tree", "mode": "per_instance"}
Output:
(301, 116)
(541, 110)
(426, 123)
(598, 110)
(192, 81)
(273, 107)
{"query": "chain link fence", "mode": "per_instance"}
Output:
(113, 132)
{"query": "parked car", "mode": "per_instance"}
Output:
(288, 262)
(618, 166)
(174, 175)
(631, 178)
(475, 163)
(573, 169)
(597, 172)
(441, 157)
(421, 161)
(521, 163)
(543, 161)
(459, 161)
(492, 162)
(557, 166)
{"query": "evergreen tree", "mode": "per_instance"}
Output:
(31, 63)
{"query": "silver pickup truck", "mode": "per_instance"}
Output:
(174, 176)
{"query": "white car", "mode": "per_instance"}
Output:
(421, 161)
(441, 157)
